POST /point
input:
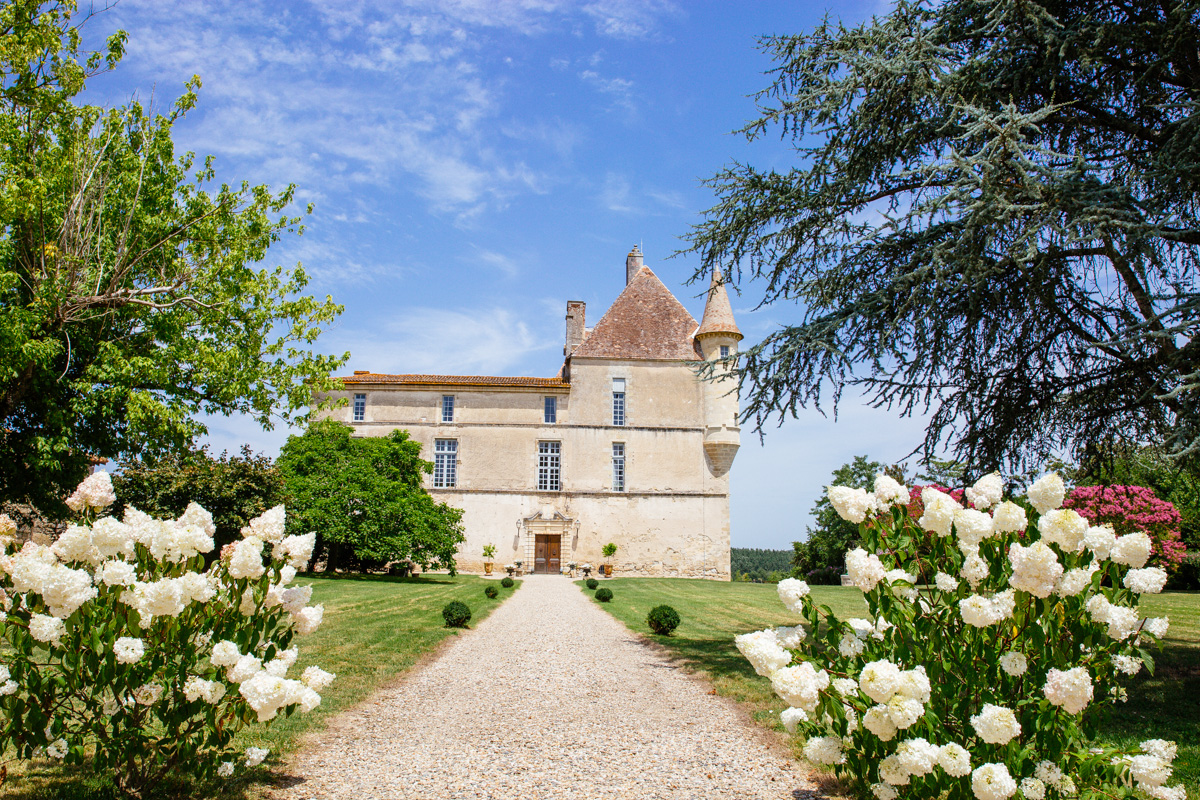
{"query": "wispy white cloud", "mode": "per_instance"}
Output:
(629, 19)
(505, 264)
(619, 89)
(621, 194)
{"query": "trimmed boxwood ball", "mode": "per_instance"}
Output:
(507, 583)
(456, 614)
(592, 583)
(491, 591)
(604, 595)
(663, 620)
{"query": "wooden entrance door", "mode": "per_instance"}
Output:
(546, 554)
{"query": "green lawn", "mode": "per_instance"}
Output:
(376, 627)
(1164, 706)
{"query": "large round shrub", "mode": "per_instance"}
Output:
(456, 614)
(592, 583)
(123, 652)
(507, 583)
(993, 641)
(491, 592)
(663, 620)
(604, 595)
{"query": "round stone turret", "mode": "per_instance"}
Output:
(717, 338)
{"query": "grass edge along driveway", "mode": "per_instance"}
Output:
(1163, 706)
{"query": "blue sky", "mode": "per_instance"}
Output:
(474, 164)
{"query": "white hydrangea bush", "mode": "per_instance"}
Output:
(124, 650)
(997, 632)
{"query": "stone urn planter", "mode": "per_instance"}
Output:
(607, 568)
(487, 568)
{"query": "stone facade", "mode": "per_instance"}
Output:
(637, 450)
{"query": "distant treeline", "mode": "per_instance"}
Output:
(759, 565)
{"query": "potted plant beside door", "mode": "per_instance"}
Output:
(489, 552)
(609, 551)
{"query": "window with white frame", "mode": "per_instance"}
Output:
(447, 408)
(618, 466)
(549, 466)
(724, 351)
(445, 463)
(551, 410)
(360, 407)
(618, 403)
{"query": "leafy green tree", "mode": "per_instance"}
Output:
(992, 215)
(831, 536)
(234, 489)
(364, 498)
(130, 296)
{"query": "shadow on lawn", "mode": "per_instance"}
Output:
(717, 657)
(1164, 705)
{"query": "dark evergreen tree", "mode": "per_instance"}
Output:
(992, 216)
(234, 489)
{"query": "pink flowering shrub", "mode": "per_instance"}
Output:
(1134, 508)
(120, 650)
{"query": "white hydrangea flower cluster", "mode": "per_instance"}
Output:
(986, 492)
(1035, 569)
(129, 650)
(1152, 769)
(96, 492)
(993, 782)
(996, 724)
(1070, 689)
(865, 569)
(852, 505)
(112, 568)
(980, 612)
(1012, 559)
(940, 511)
(889, 492)
(763, 651)
(800, 686)
(1014, 663)
(792, 592)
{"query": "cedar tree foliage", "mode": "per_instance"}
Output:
(364, 496)
(992, 218)
(131, 299)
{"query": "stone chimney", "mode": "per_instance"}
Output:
(633, 262)
(575, 329)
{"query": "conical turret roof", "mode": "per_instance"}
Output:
(718, 313)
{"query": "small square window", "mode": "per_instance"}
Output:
(724, 351)
(447, 408)
(360, 407)
(551, 410)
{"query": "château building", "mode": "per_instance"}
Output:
(625, 445)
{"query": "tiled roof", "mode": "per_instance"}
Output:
(718, 314)
(645, 322)
(442, 380)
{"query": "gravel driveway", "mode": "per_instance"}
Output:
(549, 698)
